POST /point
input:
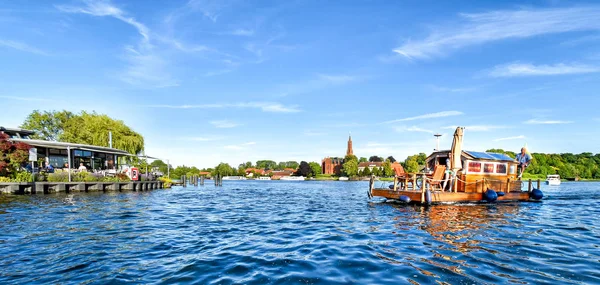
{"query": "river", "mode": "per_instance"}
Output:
(275, 232)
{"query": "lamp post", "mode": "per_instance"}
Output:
(437, 138)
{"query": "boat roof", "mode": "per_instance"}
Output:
(478, 155)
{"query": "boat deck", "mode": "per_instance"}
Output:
(419, 197)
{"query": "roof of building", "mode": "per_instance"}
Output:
(17, 130)
(368, 164)
(64, 145)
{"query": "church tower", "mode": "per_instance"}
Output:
(349, 151)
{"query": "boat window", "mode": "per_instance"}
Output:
(474, 167)
(488, 168)
(501, 168)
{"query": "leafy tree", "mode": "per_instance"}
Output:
(350, 157)
(362, 159)
(366, 172)
(48, 125)
(387, 169)
(223, 169)
(291, 164)
(162, 167)
(350, 167)
(391, 159)
(377, 171)
(304, 169)
(315, 169)
(411, 165)
(375, 158)
(266, 164)
(12, 156)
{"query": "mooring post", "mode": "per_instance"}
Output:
(508, 185)
(423, 183)
(538, 183)
(530, 186)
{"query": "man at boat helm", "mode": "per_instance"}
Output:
(524, 159)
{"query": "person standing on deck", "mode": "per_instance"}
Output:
(524, 159)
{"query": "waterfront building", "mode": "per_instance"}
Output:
(333, 165)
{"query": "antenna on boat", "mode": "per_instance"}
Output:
(437, 138)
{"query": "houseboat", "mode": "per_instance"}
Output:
(553, 180)
(471, 177)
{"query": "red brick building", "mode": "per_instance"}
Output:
(333, 165)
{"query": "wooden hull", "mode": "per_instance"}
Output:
(448, 197)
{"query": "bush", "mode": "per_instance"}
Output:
(110, 179)
(5, 179)
(23, 176)
(123, 177)
(167, 182)
(58, 177)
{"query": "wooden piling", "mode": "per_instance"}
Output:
(539, 183)
(530, 186)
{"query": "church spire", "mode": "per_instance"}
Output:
(349, 151)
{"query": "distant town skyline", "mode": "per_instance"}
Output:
(233, 81)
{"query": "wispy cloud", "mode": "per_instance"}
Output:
(510, 138)
(29, 99)
(239, 146)
(481, 28)
(427, 116)
(224, 124)
(146, 68)
(264, 106)
(451, 89)
(242, 32)
(477, 128)
(412, 129)
(546, 122)
(337, 78)
(525, 69)
(21, 46)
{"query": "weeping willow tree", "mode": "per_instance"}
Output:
(89, 128)
(93, 129)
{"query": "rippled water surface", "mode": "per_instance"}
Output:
(271, 232)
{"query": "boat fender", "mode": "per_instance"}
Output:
(490, 195)
(428, 196)
(405, 199)
(536, 194)
(500, 193)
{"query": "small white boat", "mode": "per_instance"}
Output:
(263, 178)
(553, 180)
(292, 178)
(234, 178)
(343, 178)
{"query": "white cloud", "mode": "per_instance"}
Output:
(224, 124)
(510, 138)
(452, 90)
(21, 46)
(239, 146)
(546, 122)
(243, 32)
(337, 78)
(29, 99)
(146, 67)
(525, 69)
(427, 116)
(263, 106)
(482, 28)
(412, 129)
(477, 128)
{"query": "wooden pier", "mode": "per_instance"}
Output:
(70, 187)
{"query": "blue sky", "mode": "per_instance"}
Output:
(234, 81)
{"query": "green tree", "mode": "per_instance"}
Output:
(93, 129)
(303, 169)
(315, 168)
(412, 166)
(48, 125)
(160, 165)
(387, 169)
(223, 169)
(266, 164)
(350, 167)
(362, 159)
(366, 172)
(350, 157)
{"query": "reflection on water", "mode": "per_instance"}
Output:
(296, 233)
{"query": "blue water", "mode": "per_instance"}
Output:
(262, 232)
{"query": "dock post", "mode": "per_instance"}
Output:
(423, 183)
(395, 184)
(508, 185)
(530, 186)
(538, 183)
(202, 180)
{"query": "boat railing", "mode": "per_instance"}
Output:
(480, 185)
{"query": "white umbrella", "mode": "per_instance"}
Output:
(456, 152)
